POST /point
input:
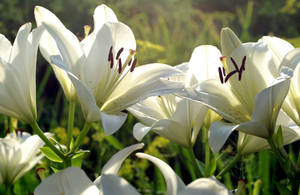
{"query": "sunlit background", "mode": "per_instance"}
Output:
(166, 31)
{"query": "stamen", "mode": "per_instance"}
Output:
(129, 62)
(133, 64)
(110, 57)
(119, 53)
(224, 73)
(120, 66)
(87, 29)
(110, 54)
(220, 74)
(132, 52)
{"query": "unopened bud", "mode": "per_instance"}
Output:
(229, 41)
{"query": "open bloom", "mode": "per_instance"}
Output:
(74, 181)
(248, 94)
(101, 68)
(18, 154)
(172, 117)
(17, 74)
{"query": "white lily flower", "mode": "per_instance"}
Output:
(73, 181)
(175, 186)
(178, 119)
(17, 74)
(250, 96)
(102, 67)
(19, 153)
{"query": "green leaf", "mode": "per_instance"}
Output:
(55, 170)
(50, 154)
(283, 189)
(77, 162)
(114, 142)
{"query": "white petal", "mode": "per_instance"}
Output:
(70, 181)
(112, 184)
(206, 186)
(115, 162)
(229, 41)
(140, 130)
(112, 123)
(219, 133)
(267, 105)
(103, 14)
(219, 98)
(279, 48)
(5, 48)
(173, 182)
(84, 94)
(184, 67)
(48, 47)
(204, 62)
(144, 81)
(96, 73)
(66, 41)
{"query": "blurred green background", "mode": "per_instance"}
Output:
(166, 31)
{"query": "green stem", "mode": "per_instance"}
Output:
(71, 113)
(206, 146)
(40, 133)
(81, 136)
(194, 162)
(9, 189)
(230, 165)
(282, 157)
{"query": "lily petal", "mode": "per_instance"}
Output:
(97, 73)
(219, 133)
(112, 123)
(144, 81)
(112, 184)
(84, 94)
(115, 162)
(70, 181)
(206, 186)
(103, 14)
(48, 47)
(204, 63)
(5, 48)
(267, 105)
(173, 182)
(140, 130)
(219, 98)
(229, 41)
(66, 41)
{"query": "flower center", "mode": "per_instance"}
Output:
(222, 73)
(128, 61)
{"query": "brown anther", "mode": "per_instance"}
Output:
(119, 53)
(120, 66)
(222, 58)
(133, 65)
(21, 130)
(132, 52)
(129, 62)
(220, 74)
(110, 55)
